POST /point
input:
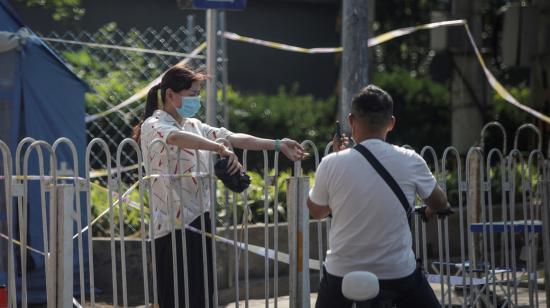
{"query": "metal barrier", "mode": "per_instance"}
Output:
(494, 260)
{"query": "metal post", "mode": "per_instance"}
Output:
(473, 206)
(298, 236)
(211, 66)
(546, 226)
(224, 73)
(189, 40)
(62, 246)
(468, 88)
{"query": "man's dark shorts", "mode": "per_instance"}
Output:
(412, 291)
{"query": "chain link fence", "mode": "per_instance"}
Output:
(117, 64)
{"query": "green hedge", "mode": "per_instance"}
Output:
(224, 205)
(421, 107)
(285, 114)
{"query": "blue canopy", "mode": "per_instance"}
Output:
(40, 97)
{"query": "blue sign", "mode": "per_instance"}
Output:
(220, 4)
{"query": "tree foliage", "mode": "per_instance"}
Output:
(61, 9)
(421, 107)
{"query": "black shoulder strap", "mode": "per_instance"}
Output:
(386, 176)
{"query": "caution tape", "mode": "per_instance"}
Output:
(18, 243)
(377, 40)
(104, 172)
(233, 36)
(76, 303)
(143, 92)
(258, 250)
(125, 195)
(498, 87)
(115, 203)
(123, 48)
(100, 173)
(240, 38)
(40, 177)
(382, 38)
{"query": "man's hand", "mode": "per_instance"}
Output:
(429, 213)
(293, 150)
(233, 160)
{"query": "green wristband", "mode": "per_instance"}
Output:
(277, 145)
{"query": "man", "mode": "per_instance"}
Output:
(369, 228)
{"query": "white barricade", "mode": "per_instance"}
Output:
(488, 249)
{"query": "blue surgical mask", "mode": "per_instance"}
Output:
(190, 105)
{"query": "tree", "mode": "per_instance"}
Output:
(61, 9)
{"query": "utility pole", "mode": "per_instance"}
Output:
(469, 87)
(211, 66)
(355, 65)
(468, 94)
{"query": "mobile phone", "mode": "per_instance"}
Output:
(338, 132)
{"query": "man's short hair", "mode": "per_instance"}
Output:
(373, 106)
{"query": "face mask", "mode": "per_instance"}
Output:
(190, 105)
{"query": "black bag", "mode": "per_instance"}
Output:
(237, 182)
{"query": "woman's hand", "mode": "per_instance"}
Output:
(233, 160)
(293, 150)
(340, 144)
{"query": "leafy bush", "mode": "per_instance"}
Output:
(256, 199)
(495, 173)
(99, 200)
(100, 203)
(511, 118)
(421, 107)
(286, 114)
(113, 79)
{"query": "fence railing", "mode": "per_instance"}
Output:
(489, 249)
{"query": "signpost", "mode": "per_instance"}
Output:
(211, 7)
(211, 65)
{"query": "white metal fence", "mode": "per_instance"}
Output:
(488, 252)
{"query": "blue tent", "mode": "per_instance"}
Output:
(40, 98)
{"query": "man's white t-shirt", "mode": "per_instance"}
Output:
(369, 228)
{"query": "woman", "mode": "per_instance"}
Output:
(169, 115)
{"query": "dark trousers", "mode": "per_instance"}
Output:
(412, 291)
(195, 267)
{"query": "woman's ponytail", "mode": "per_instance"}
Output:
(151, 105)
(177, 78)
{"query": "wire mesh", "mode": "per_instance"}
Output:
(116, 74)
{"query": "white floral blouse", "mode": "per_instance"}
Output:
(160, 125)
